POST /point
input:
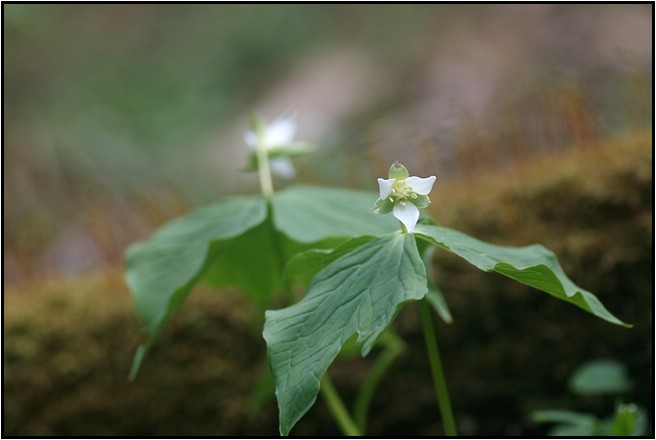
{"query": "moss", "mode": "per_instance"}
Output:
(68, 348)
(69, 344)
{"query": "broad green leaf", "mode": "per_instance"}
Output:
(434, 294)
(360, 292)
(249, 262)
(305, 265)
(308, 214)
(162, 270)
(532, 265)
(600, 376)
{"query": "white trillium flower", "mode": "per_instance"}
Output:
(276, 135)
(403, 195)
(279, 132)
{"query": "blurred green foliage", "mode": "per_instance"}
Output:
(167, 73)
(600, 376)
(627, 420)
(597, 376)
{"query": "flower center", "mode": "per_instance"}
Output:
(401, 190)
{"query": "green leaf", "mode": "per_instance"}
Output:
(360, 292)
(305, 265)
(562, 416)
(434, 294)
(570, 423)
(573, 431)
(249, 262)
(393, 346)
(600, 376)
(532, 265)
(629, 420)
(162, 270)
(309, 214)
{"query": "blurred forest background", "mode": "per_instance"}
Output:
(536, 119)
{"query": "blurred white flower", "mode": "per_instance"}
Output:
(277, 139)
(279, 132)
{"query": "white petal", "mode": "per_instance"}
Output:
(251, 139)
(283, 167)
(281, 131)
(385, 186)
(407, 213)
(420, 185)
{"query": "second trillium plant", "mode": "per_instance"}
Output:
(273, 137)
(358, 267)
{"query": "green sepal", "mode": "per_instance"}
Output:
(420, 201)
(398, 171)
(383, 206)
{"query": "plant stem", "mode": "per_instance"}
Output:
(334, 402)
(393, 348)
(280, 257)
(266, 185)
(264, 170)
(436, 366)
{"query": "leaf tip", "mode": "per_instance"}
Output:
(138, 359)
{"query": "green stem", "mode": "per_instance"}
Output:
(334, 402)
(266, 182)
(393, 347)
(436, 366)
(280, 257)
(266, 185)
